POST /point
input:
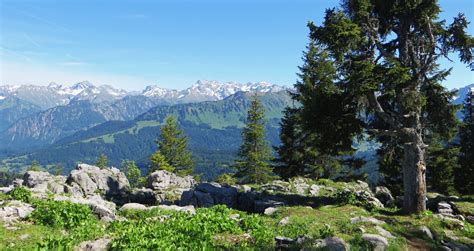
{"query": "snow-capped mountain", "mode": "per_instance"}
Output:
(204, 90)
(54, 94)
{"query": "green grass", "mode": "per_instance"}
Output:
(465, 207)
(25, 236)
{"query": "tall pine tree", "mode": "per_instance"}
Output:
(379, 58)
(254, 153)
(173, 147)
(464, 175)
(296, 155)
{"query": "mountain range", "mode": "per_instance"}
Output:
(36, 116)
(63, 125)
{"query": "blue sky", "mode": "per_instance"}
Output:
(131, 44)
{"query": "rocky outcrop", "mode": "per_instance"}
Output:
(163, 180)
(14, 210)
(95, 245)
(104, 209)
(42, 182)
(169, 186)
(377, 242)
(384, 195)
(209, 194)
(331, 244)
(90, 180)
(143, 196)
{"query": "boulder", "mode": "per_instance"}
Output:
(331, 244)
(270, 210)
(203, 199)
(17, 182)
(264, 203)
(445, 208)
(314, 190)
(377, 242)
(95, 245)
(143, 196)
(133, 206)
(285, 221)
(369, 198)
(164, 181)
(385, 196)
(362, 219)
(100, 207)
(384, 232)
(15, 210)
(283, 242)
(425, 231)
(209, 194)
(276, 186)
(110, 182)
(470, 219)
(42, 182)
(6, 189)
(299, 186)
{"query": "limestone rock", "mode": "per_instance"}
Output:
(384, 232)
(164, 181)
(209, 194)
(15, 210)
(385, 196)
(299, 185)
(42, 182)
(270, 210)
(363, 219)
(6, 189)
(285, 221)
(426, 232)
(133, 206)
(314, 190)
(445, 208)
(95, 245)
(99, 206)
(143, 196)
(378, 242)
(332, 244)
(110, 182)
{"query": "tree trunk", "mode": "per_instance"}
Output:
(414, 171)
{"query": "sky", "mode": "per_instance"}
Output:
(134, 43)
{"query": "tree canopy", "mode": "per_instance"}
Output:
(371, 68)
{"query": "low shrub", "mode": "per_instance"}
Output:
(226, 178)
(347, 196)
(62, 214)
(21, 194)
(180, 230)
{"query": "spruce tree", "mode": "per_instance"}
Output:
(379, 59)
(290, 161)
(173, 146)
(442, 161)
(254, 153)
(158, 162)
(132, 172)
(464, 175)
(102, 161)
(296, 155)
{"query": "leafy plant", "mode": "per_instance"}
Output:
(62, 214)
(21, 194)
